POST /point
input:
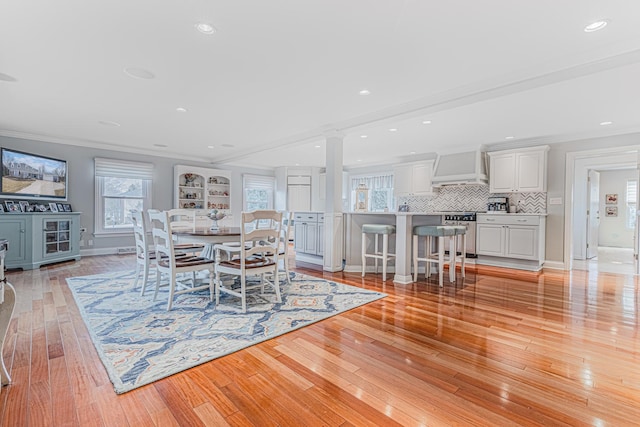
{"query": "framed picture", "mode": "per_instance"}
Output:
(611, 199)
(31, 207)
(40, 207)
(60, 207)
(24, 205)
(1, 208)
(67, 207)
(611, 211)
(53, 207)
(8, 204)
(362, 199)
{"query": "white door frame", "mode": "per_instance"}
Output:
(577, 164)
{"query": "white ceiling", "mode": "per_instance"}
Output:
(278, 76)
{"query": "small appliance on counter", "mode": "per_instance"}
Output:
(498, 204)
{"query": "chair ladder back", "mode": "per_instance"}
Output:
(162, 237)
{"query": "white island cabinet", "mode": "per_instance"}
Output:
(511, 240)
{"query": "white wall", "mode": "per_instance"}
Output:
(613, 230)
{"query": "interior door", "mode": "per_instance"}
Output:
(593, 213)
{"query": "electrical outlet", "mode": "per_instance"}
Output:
(90, 242)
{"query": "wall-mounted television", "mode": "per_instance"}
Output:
(31, 176)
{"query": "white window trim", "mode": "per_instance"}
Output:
(125, 169)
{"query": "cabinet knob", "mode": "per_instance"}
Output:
(23, 230)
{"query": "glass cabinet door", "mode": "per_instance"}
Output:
(57, 236)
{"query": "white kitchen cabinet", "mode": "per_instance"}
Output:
(309, 233)
(515, 241)
(413, 179)
(514, 171)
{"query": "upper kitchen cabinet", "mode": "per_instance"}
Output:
(413, 178)
(202, 188)
(518, 171)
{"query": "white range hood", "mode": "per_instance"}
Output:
(465, 168)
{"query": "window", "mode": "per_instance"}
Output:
(631, 199)
(380, 191)
(121, 186)
(258, 192)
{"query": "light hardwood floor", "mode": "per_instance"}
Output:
(502, 348)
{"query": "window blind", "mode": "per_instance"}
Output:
(632, 192)
(123, 169)
(258, 182)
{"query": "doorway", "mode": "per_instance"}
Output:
(612, 229)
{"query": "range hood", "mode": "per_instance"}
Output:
(468, 167)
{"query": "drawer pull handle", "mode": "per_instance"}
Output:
(490, 220)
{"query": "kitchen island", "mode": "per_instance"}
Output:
(401, 245)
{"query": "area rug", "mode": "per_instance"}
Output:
(140, 342)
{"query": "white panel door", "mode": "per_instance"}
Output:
(530, 171)
(490, 239)
(502, 172)
(299, 198)
(593, 213)
(522, 242)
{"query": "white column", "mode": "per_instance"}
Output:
(333, 218)
(404, 233)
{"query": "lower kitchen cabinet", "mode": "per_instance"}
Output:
(36, 239)
(309, 236)
(515, 241)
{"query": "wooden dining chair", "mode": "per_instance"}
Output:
(184, 219)
(168, 264)
(283, 253)
(256, 255)
(144, 257)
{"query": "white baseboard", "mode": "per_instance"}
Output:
(554, 265)
(102, 251)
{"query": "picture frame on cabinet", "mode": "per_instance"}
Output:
(67, 207)
(24, 206)
(60, 207)
(1, 208)
(53, 207)
(12, 206)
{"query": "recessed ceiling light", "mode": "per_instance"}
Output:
(160, 145)
(426, 122)
(181, 110)
(364, 92)
(363, 136)
(109, 123)
(606, 123)
(359, 160)
(205, 28)
(412, 152)
(210, 146)
(7, 78)
(393, 130)
(595, 26)
(508, 137)
(139, 73)
(297, 164)
(317, 146)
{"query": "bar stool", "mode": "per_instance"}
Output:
(461, 232)
(384, 255)
(431, 231)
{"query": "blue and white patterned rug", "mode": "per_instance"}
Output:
(140, 342)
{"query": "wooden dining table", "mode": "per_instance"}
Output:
(208, 237)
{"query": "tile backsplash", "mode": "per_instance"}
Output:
(472, 198)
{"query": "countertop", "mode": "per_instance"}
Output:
(442, 213)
